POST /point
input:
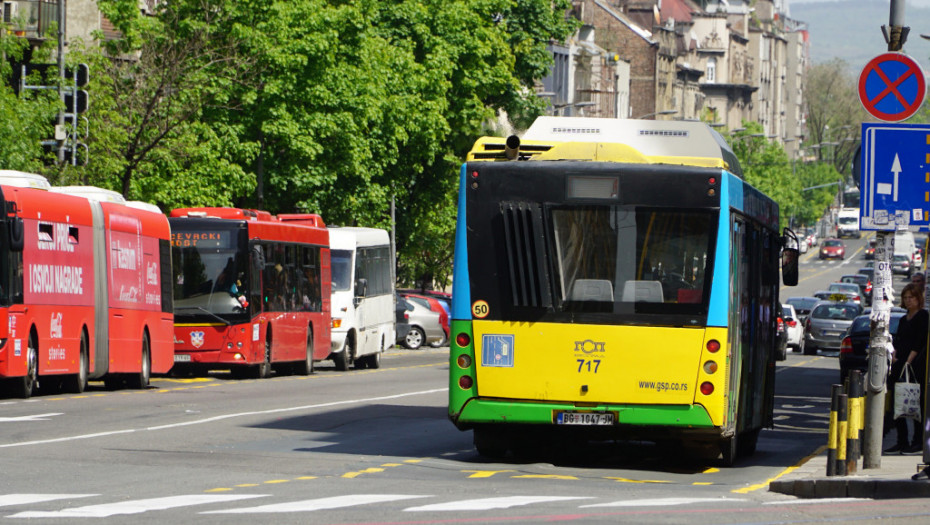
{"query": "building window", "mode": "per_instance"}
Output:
(711, 75)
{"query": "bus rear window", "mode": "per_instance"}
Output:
(614, 255)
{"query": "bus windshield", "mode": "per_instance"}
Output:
(341, 261)
(211, 273)
(627, 254)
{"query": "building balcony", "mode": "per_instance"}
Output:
(29, 18)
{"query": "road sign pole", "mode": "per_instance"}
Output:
(880, 342)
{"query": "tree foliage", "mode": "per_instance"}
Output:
(332, 107)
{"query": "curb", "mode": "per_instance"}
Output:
(852, 488)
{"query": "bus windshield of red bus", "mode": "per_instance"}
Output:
(210, 272)
(625, 254)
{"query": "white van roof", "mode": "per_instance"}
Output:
(351, 237)
(23, 179)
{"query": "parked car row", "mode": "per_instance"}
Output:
(421, 319)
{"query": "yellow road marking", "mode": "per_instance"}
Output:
(273, 481)
(221, 489)
(486, 473)
(360, 472)
(544, 476)
(789, 470)
(626, 480)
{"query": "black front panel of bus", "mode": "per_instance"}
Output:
(516, 244)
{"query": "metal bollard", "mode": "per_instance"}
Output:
(842, 424)
(832, 437)
(853, 443)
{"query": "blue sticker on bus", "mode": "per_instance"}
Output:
(497, 350)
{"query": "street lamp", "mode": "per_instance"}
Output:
(663, 112)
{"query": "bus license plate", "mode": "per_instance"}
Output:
(182, 358)
(585, 418)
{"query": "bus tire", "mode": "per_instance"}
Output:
(414, 338)
(77, 383)
(140, 381)
(490, 442)
(305, 367)
(263, 369)
(746, 446)
(24, 386)
(343, 359)
(729, 450)
(374, 360)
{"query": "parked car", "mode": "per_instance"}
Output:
(901, 265)
(832, 249)
(444, 298)
(802, 306)
(864, 282)
(803, 245)
(868, 271)
(425, 327)
(434, 305)
(401, 318)
(854, 349)
(781, 340)
(870, 250)
(811, 236)
(793, 327)
(853, 288)
(827, 324)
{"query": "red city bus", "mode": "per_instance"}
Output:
(85, 290)
(251, 291)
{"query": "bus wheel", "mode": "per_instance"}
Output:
(374, 360)
(343, 359)
(305, 367)
(141, 380)
(78, 382)
(490, 442)
(747, 443)
(729, 448)
(414, 338)
(23, 386)
(263, 370)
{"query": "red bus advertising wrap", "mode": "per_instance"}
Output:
(85, 292)
(252, 291)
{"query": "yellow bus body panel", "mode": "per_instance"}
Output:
(598, 364)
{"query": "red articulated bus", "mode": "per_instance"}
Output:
(84, 290)
(251, 291)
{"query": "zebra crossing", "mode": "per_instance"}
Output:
(241, 504)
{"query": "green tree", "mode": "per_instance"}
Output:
(834, 115)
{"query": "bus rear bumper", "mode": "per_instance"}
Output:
(630, 421)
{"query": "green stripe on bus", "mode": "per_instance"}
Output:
(491, 411)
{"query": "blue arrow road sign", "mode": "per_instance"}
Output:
(895, 178)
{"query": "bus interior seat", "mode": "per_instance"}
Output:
(592, 290)
(643, 291)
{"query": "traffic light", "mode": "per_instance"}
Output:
(75, 101)
(80, 75)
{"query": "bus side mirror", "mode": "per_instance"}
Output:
(17, 234)
(361, 287)
(789, 258)
(789, 266)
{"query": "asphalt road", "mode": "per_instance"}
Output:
(375, 446)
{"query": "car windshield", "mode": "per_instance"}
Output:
(844, 287)
(832, 244)
(844, 312)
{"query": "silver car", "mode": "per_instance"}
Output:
(425, 327)
(827, 324)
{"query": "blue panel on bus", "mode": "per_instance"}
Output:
(461, 284)
(720, 291)
(497, 350)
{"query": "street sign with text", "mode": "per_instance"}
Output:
(895, 177)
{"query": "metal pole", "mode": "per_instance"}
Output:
(880, 342)
(61, 80)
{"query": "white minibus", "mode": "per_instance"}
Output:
(363, 296)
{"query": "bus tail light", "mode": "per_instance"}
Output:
(462, 340)
(713, 346)
(465, 382)
(710, 367)
(463, 361)
(707, 388)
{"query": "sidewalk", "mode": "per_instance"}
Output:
(891, 481)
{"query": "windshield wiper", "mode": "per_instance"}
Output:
(204, 310)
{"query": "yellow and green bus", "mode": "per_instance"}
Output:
(614, 279)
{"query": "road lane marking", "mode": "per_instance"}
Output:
(504, 502)
(222, 417)
(789, 470)
(134, 506)
(37, 417)
(335, 502)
